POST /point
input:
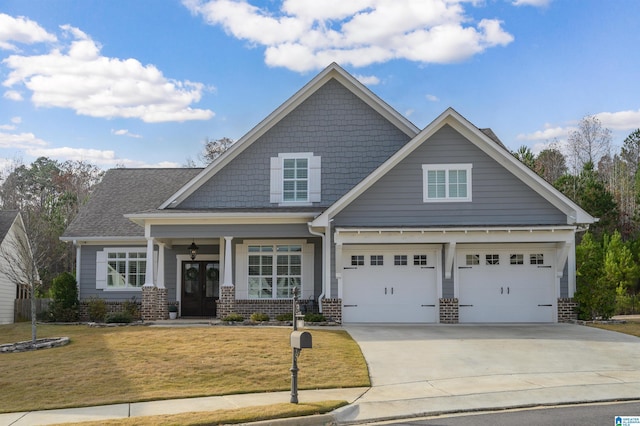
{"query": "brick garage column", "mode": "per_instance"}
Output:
(449, 311)
(149, 310)
(332, 309)
(567, 309)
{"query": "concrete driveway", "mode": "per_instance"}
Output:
(420, 370)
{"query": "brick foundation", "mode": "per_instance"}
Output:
(112, 308)
(449, 311)
(332, 309)
(567, 309)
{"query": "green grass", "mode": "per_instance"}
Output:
(130, 364)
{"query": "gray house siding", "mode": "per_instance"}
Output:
(499, 198)
(333, 124)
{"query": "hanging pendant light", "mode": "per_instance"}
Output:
(193, 250)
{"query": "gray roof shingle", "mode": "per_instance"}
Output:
(124, 191)
(7, 217)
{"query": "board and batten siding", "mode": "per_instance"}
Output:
(498, 197)
(350, 137)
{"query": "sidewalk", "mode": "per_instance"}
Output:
(175, 406)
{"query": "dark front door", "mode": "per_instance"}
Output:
(200, 287)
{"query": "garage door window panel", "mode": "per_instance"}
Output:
(516, 259)
(400, 260)
(492, 259)
(357, 260)
(472, 259)
(420, 260)
(377, 260)
(536, 259)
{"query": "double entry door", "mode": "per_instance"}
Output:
(200, 288)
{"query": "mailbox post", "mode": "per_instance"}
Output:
(299, 340)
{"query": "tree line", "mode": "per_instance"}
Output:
(606, 184)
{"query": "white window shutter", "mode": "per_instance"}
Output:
(101, 270)
(307, 271)
(242, 273)
(276, 180)
(315, 178)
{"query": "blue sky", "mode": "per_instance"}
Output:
(143, 83)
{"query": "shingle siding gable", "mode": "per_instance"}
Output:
(351, 138)
(499, 198)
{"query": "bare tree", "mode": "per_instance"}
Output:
(19, 263)
(214, 148)
(589, 142)
(551, 164)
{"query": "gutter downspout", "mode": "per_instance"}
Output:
(78, 260)
(324, 260)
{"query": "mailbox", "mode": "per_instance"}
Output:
(301, 340)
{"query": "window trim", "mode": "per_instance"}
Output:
(127, 250)
(426, 168)
(313, 178)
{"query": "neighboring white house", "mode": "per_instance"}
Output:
(12, 236)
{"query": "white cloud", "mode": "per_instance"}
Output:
(432, 98)
(21, 30)
(536, 3)
(20, 140)
(7, 127)
(369, 80)
(125, 132)
(16, 120)
(79, 78)
(621, 120)
(548, 133)
(12, 95)
(304, 35)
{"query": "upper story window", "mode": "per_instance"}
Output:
(446, 182)
(295, 179)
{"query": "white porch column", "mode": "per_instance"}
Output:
(149, 271)
(160, 267)
(227, 280)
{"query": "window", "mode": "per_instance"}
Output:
(126, 269)
(420, 260)
(472, 259)
(492, 259)
(446, 182)
(295, 179)
(357, 260)
(274, 264)
(377, 260)
(516, 259)
(400, 260)
(536, 259)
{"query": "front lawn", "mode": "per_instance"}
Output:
(127, 364)
(631, 327)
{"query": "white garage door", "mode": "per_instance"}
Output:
(506, 285)
(389, 284)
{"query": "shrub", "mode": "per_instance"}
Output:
(173, 308)
(64, 292)
(131, 308)
(233, 317)
(311, 317)
(285, 317)
(259, 317)
(97, 309)
(119, 317)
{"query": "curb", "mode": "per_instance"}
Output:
(315, 420)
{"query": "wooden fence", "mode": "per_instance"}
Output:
(22, 310)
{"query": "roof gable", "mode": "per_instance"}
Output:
(332, 72)
(7, 218)
(484, 142)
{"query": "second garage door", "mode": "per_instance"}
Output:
(506, 285)
(389, 284)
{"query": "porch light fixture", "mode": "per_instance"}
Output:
(193, 250)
